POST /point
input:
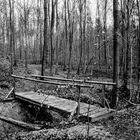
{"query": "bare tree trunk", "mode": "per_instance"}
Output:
(115, 54)
(13, 34)
(41, 34)
(70, 35)
(51, 35)
(138, 74)
(45, 47)
(11, 44)
(99, 48)
(4, 27)
(40, 43)
(125, 74)
(80, 37)
(84, 35)
(20, 37)
(131, 72)
(122, 38)
(25, 36)
(57, 23)
(66, 36)
(99, 35)
(37, 42)
(105, 33)
(3, 34)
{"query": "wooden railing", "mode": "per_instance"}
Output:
(74, 80)
(64, 82)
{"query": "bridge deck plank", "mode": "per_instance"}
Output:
(68, 106)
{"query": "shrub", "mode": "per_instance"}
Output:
(4, 70)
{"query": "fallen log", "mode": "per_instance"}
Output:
(20, 123)
(71, 80)
(7, 100)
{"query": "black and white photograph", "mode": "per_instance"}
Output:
(69, 69)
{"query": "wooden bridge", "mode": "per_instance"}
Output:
(62, 105)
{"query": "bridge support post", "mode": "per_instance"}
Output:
(79, 96)
(14, 86)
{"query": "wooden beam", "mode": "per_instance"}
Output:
(54, 82)
(79, 96)
(74, 80)
(20, 123)
(104, 116)
(7, 100)
(63, 106)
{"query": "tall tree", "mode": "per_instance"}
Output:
(51, 34)
(84, 33)
(66, 35)
(115, 54)
(138, 74)
(98, 34)
(11, 44)
(40, 28)
(126, 42)
(26, 22)
(105, 33)
(80, 36)
(70, 29)
(45, 47)
(57, 39)
(13, 32)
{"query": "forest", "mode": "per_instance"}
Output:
(95, 42)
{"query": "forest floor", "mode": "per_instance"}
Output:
(125, 125)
